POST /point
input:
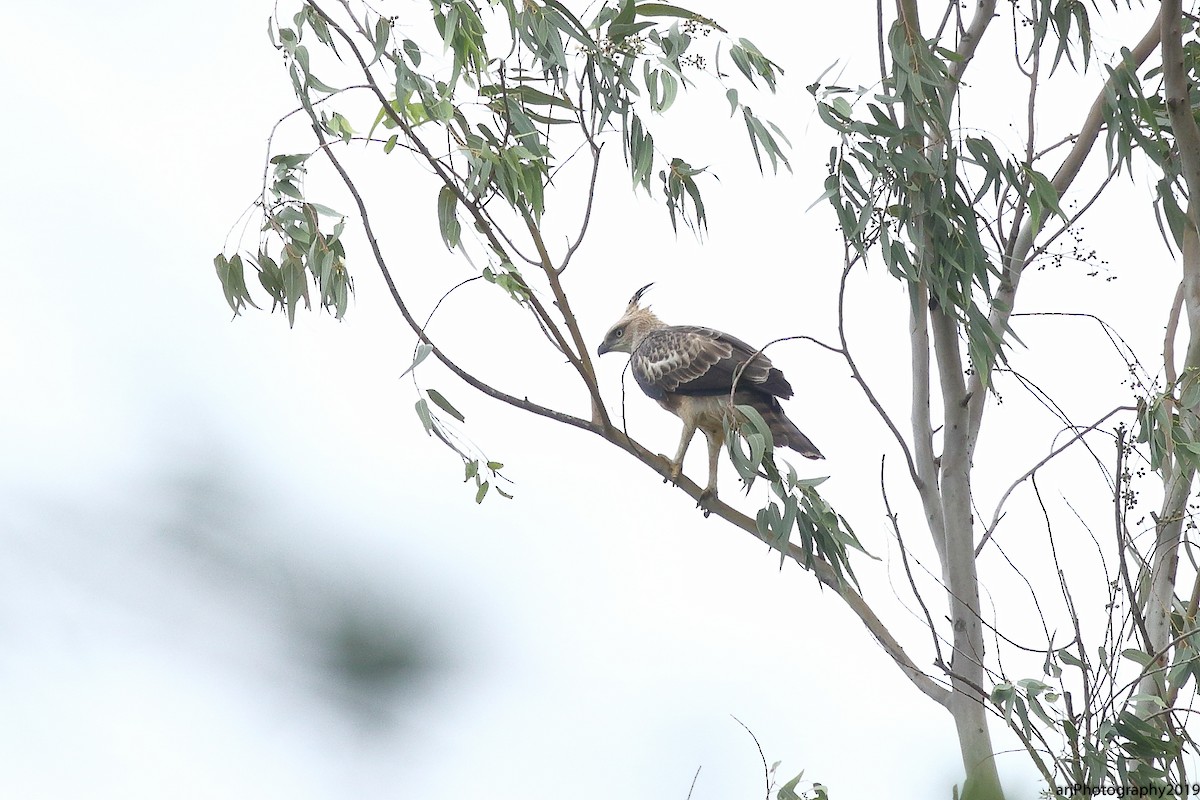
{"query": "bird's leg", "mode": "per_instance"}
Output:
(677, 463)
(715, 440)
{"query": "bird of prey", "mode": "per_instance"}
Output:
(690, 372)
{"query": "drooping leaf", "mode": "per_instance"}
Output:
(448, 223)
(423, 351)
(444, 404)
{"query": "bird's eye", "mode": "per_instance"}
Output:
(618, 333)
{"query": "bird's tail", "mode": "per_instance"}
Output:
(786, 434)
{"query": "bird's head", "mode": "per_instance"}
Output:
(633, 326)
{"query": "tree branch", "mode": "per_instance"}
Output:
(468, 378)
(926, 479)
(482, 222)
(1164, 561)
(1017, 259)
(985, 12)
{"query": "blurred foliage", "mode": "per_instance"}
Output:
(367, 647)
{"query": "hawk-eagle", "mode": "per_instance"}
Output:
(690, 371)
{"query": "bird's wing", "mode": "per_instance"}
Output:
(702, 361)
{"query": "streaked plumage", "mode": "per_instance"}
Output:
(690, 371)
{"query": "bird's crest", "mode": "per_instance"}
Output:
(633, 326)
(638, 316)
(635, 301)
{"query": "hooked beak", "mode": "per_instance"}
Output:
(604, 348)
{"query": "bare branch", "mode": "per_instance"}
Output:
(912, 583)
(471, 380)
(858, 377)
(985, 11)
(584, 365)
(1080, 433)
(766, 769)
(926, 467)
(595, 149)
(1122, 544)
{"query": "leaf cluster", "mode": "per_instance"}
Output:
(1169, 426)
(904, 185)
(306, 251)
(800, 510)
(1107, 741)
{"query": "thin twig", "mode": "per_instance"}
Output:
(894, 519)
(470, 379)
(692, 788)
(766, 769)
(996, 516)
(860, 380)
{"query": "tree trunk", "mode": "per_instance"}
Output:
(968, 703)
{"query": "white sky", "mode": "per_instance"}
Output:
(595, 636)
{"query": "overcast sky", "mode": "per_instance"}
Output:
(234, 565)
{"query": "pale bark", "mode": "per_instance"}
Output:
(946, 492)
(968, 705)
(1177, 473)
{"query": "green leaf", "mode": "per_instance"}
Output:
(1069, 658)
(670, 89)
(423, 351)
(292, 161)
(482, 492)
(788, 790)
(1190, 396)
(527, 94)
(288, 188)
(233, 282)
(423, 414)
(667, 10)
(413, 52)
(576, 29)
(295, 286)
(1143, 659)
(448, 222)
(755, 420)
(325, 210)
(383, 27)
(444, 404)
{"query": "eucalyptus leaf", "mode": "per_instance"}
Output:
(423, 351)
(444, 404)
